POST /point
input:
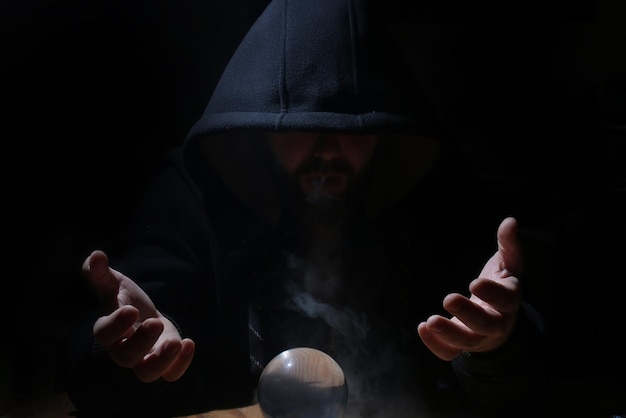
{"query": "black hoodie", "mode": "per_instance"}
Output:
(216, 247)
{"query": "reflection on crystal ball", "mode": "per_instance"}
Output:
(302, 383)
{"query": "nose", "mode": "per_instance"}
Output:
(327, 147)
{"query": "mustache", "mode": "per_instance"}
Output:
(321, 166)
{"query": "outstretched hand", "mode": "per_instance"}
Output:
(485, 320)
(132, 330)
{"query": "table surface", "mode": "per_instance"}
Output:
(252, 411)
(572, 398)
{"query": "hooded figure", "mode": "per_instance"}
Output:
(248, 258)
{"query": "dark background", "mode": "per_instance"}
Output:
(92, 92)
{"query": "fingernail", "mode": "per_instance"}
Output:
(435, 328)
(151, 328)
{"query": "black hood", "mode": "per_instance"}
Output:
(317, 65)
(314, 65)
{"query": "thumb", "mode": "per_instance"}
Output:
(102, 279)
(509, 246)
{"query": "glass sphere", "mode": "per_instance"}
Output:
(302, 383)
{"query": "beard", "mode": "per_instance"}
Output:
(326, 209)
(312, 193)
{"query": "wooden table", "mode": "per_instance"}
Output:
(58, 405)
(575, 398)
(252, 411)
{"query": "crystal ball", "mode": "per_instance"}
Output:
(302, 382)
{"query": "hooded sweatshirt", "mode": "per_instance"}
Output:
(220, 245)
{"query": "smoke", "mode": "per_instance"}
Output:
(377, 374)
(349, 324)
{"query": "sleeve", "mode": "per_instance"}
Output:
(509, 380)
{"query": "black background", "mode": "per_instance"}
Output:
(92, 92)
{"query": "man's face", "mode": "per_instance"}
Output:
(322, 164)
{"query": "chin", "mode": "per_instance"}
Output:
(325, 208)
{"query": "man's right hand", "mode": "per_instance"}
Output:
(132, 330)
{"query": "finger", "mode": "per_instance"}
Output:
(454, 333)
(110, 329)
(158, 361)
(509, 246)
(480, 319)
(182, 361)
(102, 278)
(131, 351)
(433, 342)
(502, 295)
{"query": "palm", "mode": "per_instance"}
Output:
(485, 320)
(131, 294)
(132, 330)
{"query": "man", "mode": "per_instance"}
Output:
(309, 207)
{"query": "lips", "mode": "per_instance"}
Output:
(324, 183)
